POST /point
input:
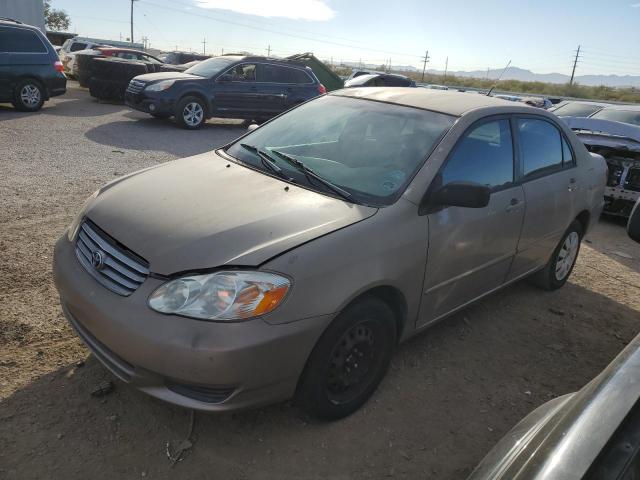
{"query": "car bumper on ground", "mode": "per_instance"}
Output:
(196, 364)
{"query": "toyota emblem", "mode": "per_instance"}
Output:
(97, 259)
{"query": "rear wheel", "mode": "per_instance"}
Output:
(557, 271)
(28, 96)
(191, 113)
(349, 360)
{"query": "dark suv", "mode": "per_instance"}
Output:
(254, 88)
(30, 70)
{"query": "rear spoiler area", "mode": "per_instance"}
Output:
(605, 133)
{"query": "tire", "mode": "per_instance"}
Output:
(557, 271)
(349, 360)
(28, 96)
(191, 113)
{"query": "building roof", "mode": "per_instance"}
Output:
(444, 101)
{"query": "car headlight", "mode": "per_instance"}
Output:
(224, 296)
(160, 86)
(75, 224)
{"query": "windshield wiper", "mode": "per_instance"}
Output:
(266, 160)
(311, 174)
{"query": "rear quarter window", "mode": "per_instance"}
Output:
(78, 46)
(20, 40)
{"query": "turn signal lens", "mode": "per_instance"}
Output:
(223, 296)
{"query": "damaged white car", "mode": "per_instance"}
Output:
(619, 144)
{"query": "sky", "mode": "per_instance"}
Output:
(540, 35)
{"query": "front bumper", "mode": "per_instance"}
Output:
(148, 104)
(196, 364)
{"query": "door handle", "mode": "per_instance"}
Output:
(572, 185)
(513, 204)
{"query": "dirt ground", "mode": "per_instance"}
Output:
(452, 392)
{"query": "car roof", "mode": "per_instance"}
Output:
(444, 101)
(9, 22)
(629, 108)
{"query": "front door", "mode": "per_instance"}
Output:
(237, 93)
(471, 249)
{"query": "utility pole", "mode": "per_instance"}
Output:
(222, 51)
(269, 51)
(575, 62)
(487, 77)
(425, 59)
(204, 46)
(145, 39)
(132, 20)
(446, 67)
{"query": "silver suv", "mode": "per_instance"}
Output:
(292, 261)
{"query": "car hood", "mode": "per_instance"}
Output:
(153, 77)
(205, 211)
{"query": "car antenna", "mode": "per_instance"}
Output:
(499, 78)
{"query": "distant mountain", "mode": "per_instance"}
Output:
(515, 73)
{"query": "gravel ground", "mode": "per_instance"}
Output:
(451, 393)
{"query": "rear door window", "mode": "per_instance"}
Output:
(273, 74)
(483, 156)
(540, 146)
(20, 40)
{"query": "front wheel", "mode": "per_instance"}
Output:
(556, 273)
(349, 360)
(191, 113)
(28, 96)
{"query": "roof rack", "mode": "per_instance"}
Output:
(7, 19)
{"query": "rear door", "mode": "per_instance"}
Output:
(237, 93)
(471, 249)
(550, 183)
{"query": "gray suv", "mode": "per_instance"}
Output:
(291, 262)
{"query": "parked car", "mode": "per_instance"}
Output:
(592, 434)
(437, 87)
(255, 88)
(180, 58)
(380, 80)
(293, 260)
(30, 71)
(69, 48)
(538, 102)
(572, 108)
(83, 60)
(629, 114)
(619, 144)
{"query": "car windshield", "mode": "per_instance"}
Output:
(209, 68)
(631, 117)
(575, 109)
(369, 149)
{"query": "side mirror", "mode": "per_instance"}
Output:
(225, 78)
(458, 194)
(252, 127)
(633, 227)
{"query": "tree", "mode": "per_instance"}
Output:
(57, 20)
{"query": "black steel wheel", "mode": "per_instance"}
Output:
(349, 360)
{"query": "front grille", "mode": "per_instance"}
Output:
(135, 86)
(110, 263)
